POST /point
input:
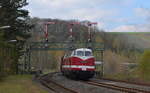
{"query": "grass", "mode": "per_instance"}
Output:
(20, 84)
(133, 77)
(121, 76)
(46, 71)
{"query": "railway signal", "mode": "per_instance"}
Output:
(71, 29)
(71, 39)
(46, 29)
(89, 31)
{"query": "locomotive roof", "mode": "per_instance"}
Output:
(83, 49)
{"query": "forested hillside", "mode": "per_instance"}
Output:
(60, 31)
(140, 39)
(115, 41)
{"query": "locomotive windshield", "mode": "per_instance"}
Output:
(80, 53)
(88, 53)
(83, 53)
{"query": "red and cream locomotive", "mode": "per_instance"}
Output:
(79, 64)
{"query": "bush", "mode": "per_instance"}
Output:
(8, 59)
(113, 62)
(144, 65)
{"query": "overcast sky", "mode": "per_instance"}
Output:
(111, 15)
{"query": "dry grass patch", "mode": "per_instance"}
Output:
(20, 84)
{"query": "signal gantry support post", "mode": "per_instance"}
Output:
(102, 60)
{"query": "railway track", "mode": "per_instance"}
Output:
(128, 82)
(55, 87)
(116, 87)
(48, 82)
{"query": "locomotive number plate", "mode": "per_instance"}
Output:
(83, 62)
(84, 68)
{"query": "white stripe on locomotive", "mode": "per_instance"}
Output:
(78, 66)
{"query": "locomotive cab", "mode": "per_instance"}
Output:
(82, 52)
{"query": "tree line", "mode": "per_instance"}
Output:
(13, 29)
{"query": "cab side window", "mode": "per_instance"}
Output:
(73, 53)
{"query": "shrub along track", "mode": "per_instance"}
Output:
(55, 87)
(116, 87)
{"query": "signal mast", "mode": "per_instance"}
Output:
(46, 30)
(71, 30)
(71, 39)
(89, 31)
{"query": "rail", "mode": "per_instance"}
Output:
(116, 87)
(55, 87)
(128, 82)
